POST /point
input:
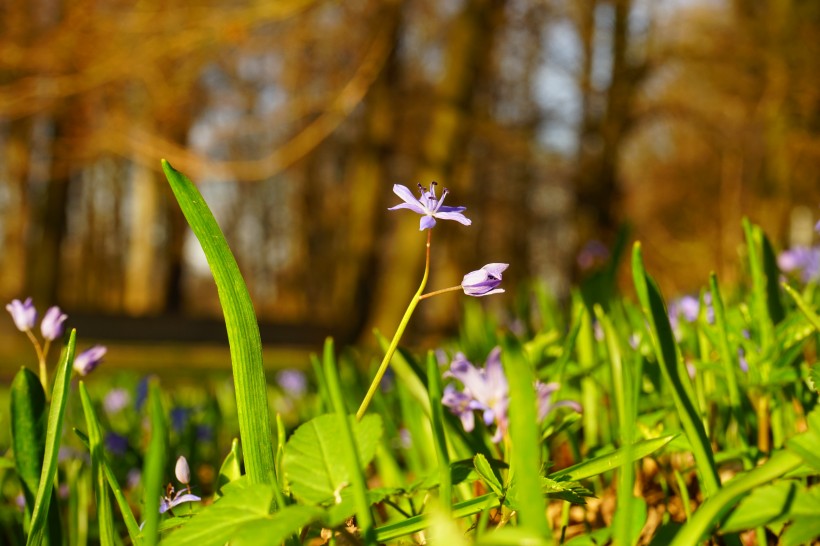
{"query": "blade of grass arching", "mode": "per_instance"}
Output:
(760, 308)
(716, 506)
(243, 330)
(590, 394)
(127, 515)
(392, 531)
(579, 312)
(726, 358)
(772, 273)
(440, 440)
(364, 517)
(54, 430)
(321, 383)
(105, 515)
(525, 457)
(814, 319)
(665, 351)
(610, 461)
(405, 373)
(153, 471)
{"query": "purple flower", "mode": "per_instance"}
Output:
(52, 326)
(742, 362)
(484, 281)
(23, 313)
(592, 254)
(170, 500)
(545, 403)
(485, 390)
(117, 444)
(88, 360)
(293, 382)
(429, 206)
(801, 259)
(116, 400)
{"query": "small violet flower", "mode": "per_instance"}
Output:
(545, 403)
(484, 281)
(52, 326)
(23, 313)
(88, 360)
(801, 259)
(429, 206)
(293, 382)
(485, 390)
(116, 400)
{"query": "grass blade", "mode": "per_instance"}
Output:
(440, 440)
(243, 330)
(54, 430)
(363, 515)
(525, 458)
(610, 461)
(105, 516)
(153, 472)
(655, 313)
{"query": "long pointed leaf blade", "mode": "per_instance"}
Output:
(59, 400)
(243, 330)
(105, 515)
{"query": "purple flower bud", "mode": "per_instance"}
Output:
(182, 470)
(23, 313)
(484, 281)
(52, 326)
(86, 361)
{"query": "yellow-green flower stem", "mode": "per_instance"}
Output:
(394, 343)
(442, 291)
(41, 356)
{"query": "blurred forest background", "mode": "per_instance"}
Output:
(553, 121)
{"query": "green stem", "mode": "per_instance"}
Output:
(442, 291)
(394, 343)
(41, 357)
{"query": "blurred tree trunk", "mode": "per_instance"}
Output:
(597, 192)
(144, 204)
(365, 180)
(16, 155)
(467, 57)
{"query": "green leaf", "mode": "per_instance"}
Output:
(568, 491)
(666, 353)
(153, 472)
(814, 378)
(610, 461)
(230, 469)
(439, 439)
(525, 458)
(807, 444)
(408, 526)
(242, 517)
(801, 532)
(803, 306)
(243, 330)
(762, 506)
(485, 471)
(28, 430)
(105, 515)
(312, 461)
(54, 430)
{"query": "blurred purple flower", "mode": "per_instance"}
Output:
(116, 400)
(486, 390)
(179, 418)
(593, 253)
(741, 356)
(484, 281)
(293, 382)
(23, 313)
(117, 444)
(52, 326)
(802, 260)
(545, 403)
(204, 433)
(429, 206)
(142, 392)
(88, 360)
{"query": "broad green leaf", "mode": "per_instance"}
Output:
(243, 516)
(28, 430)
(313, 464)
(603, 463)
(801, 532)
(54, 430)
(230, 469)
(763, 505)
(807, 444)
(485, 471)
(708, 514)
(568, 491)
(105, 515)
(243, 330)
(525, 458)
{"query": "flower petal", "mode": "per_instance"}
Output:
(457, 216)
(426, 222)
